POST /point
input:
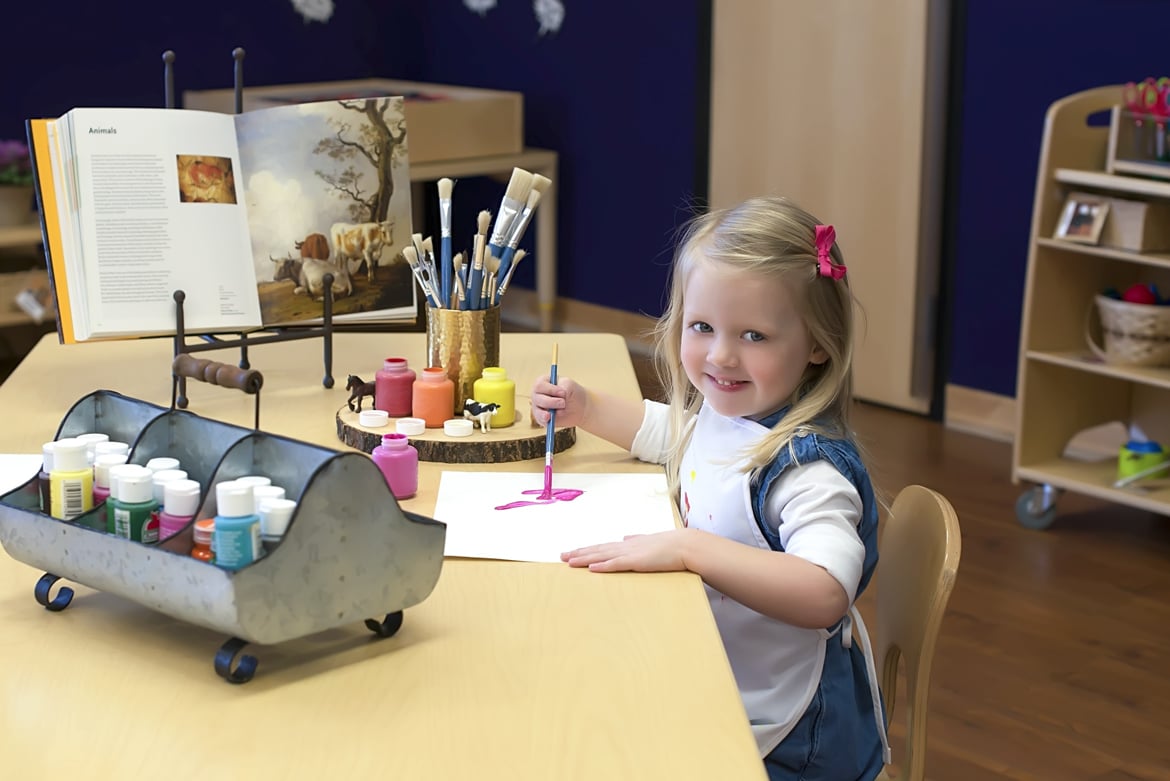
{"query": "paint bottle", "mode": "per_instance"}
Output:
(101, 474)
(494, 387)
(275, 515)
(110, 446)
(43, 475)
(91, 441)
(70, 480)
(135, 505)
(252, 481)
(162, 462)
(204, 536)
(180, 503)
(237, 527)
(394, 387)
(261, 494)
(398, 461)
(116, 471)
(433, 397)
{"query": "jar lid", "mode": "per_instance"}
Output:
(136, 487)
(253, 480)
(118, 471)
(275, 515)
(110, 446)
(161, 463)
(164, 476)
(262, 493)
(494, 373)
(233, 499)
(181, 497)
(69, 455)
(373, 418)
(101, 467)
(457, 427)
(411, 427)
(47, 455)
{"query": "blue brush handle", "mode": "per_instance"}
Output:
(445, 283)
(552, 416)
(502, 274)
(474, 288)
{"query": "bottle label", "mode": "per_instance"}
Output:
(73, 503)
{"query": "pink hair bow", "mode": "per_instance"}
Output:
(825, 237)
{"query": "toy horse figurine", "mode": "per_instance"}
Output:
(357, 389)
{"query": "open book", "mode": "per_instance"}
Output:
(244, 213)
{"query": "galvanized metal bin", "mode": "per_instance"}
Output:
(350, 552)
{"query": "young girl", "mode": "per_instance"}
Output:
(779, 512)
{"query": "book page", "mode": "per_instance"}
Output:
(327, 189)
(158, 212)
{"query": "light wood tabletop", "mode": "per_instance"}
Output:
(507, 670)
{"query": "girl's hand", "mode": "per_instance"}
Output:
(661, 552)
(568, 398)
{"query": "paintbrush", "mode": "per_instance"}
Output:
(510, 206)
(458, 296)
(503, 287)
(491, 270)
(475, 279)
(548, 434)
(519, 225)
(411, 256)
(445, 187)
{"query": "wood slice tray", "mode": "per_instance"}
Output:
(519, 442)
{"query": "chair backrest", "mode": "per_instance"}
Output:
(919, 558)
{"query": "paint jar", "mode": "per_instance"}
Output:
(110, 446)
(494, 387)
(204, 536)
(70, 480)
(463, 342)
(180, 503)
(101, 474)
(275, 515)
(433, 397)
(43, 475)
(237, 527)
(134, 506)
(394, 388)
(262, 493)
(398, 461)
(91, 441)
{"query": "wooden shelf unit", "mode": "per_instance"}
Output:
(1063, 387)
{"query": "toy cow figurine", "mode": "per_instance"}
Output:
(481, 414)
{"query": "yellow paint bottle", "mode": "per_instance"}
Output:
(494, 387)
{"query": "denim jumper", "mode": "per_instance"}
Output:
(811, 696)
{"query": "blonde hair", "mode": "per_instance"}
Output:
(774, 237)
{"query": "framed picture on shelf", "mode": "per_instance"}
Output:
(1082, 218)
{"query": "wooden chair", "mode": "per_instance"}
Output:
(920, 549)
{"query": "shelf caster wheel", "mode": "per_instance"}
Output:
(245, 665)
(388, 626)
(43, 588)
(1036, 507)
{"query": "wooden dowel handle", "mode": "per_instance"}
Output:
(215, 373)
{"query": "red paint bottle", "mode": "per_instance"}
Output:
(394, 387)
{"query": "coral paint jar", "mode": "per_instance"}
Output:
(394, 387)
(434, 397)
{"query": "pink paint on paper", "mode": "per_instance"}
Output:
(558, 495)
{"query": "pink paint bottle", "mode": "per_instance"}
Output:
(101, 474)
(394, 387)
(398, 460)
(180, 503)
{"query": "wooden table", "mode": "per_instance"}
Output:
(508, 670)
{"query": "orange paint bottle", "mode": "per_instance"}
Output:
(433, 398)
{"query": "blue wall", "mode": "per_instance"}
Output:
(614, 92)
(1020, 57)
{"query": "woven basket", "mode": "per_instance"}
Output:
(1135, 334)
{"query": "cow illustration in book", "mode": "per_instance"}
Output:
(308, 276)
(315, 245)
(355, 243)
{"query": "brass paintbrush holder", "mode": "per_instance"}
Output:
(463, 342)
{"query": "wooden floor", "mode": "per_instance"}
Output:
(1054, 657)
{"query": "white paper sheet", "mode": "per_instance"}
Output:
(16, 469)
(610, 507)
